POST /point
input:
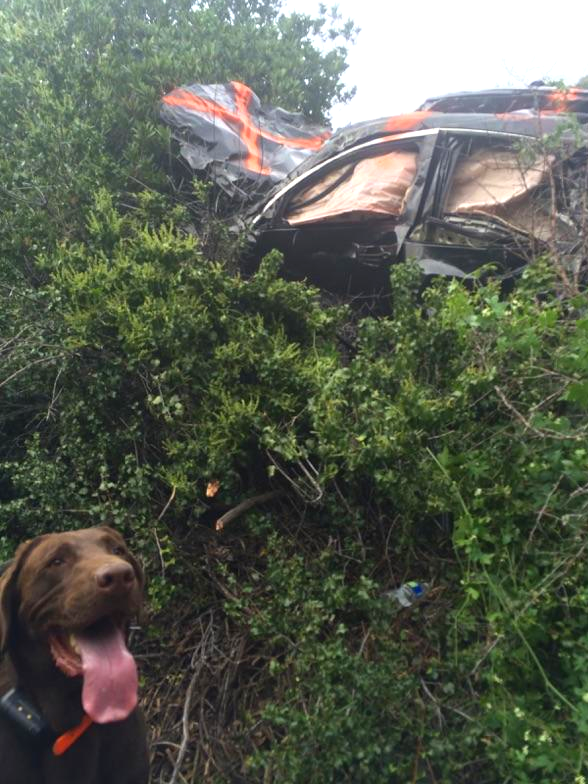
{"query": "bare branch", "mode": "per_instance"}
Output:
(244, 506)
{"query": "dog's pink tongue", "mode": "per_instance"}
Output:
(110, 674)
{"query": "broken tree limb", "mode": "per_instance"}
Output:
(244, 506)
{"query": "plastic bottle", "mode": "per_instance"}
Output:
(408, 593)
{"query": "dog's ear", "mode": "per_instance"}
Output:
(8, 592)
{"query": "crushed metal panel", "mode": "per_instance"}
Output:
(527, 100)
(223, 129)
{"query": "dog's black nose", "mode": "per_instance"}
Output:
(115, 577)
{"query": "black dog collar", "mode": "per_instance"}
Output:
(32, 725)
(23, 715)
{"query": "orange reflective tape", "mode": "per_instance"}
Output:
(240, 118)
(406, 122)
(560, 100)
(65, 741)
(188, 100)
(250, 135)
(311, 143)
(557, 101)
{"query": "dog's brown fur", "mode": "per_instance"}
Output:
(50, 584)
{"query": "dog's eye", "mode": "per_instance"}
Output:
(118, 550)
(56, 562)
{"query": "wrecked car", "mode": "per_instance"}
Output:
(468, 182)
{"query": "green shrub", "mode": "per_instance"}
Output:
(449, 447)
(171, 372)
(455, 438)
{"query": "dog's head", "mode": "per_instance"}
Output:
(72, 595)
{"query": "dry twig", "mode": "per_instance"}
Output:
(244, 506)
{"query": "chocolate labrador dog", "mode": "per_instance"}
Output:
(68, 684)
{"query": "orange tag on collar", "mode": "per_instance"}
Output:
(65, 741)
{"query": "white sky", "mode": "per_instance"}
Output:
(409, 51)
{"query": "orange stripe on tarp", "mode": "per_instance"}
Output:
(187, 100)
(250, 133)
(311, 143)
(308, 143)
(407, 122)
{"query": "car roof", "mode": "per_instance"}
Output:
(532, 111)
(537, 98)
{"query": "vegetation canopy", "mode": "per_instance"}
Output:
(145, 382)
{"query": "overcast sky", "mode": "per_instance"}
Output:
(409, 51)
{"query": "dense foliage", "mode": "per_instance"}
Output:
(455, 440)
(450, 448)
(445, 442)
